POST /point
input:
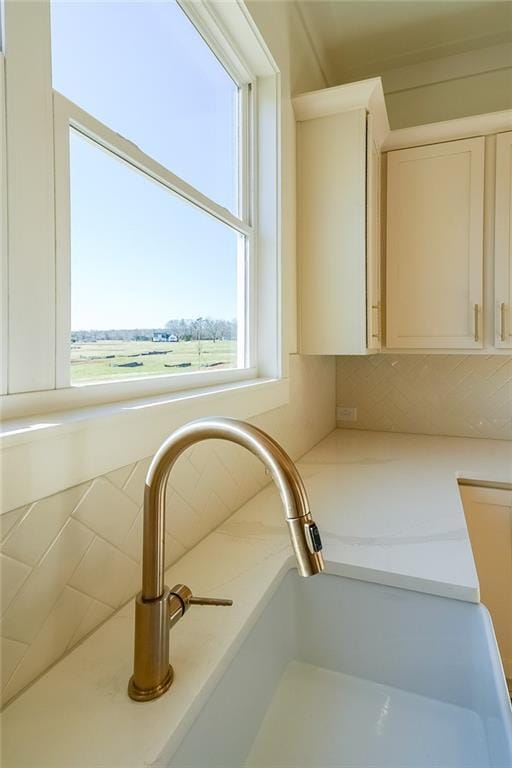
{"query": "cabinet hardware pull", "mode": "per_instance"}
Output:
(475, 310)
(502, 321)
(377, 335)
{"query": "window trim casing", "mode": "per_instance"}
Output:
(29, 197)
(234, 27)
(67, 116)
(4, 292)
(67, 448)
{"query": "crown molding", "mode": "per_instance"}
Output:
(449, 130)
(441, 70)
(365, 94)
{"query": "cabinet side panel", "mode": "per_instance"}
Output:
(331, 233)
(503, 242)
(373, 239)
(489, 517)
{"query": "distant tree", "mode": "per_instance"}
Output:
(219, 329)
(202, 328)
(198, 329)
(213, 328)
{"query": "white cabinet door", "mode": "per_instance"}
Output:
(434, 252)
(503, 241)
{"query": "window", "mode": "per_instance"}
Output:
(157, 249)
(140, 188)
(154, 279)
(143, 69)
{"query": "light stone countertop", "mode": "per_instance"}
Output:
(389, 511)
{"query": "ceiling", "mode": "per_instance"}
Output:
(354, 39)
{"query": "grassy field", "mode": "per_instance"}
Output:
(105, 360)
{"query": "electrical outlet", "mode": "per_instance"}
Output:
(345, 413)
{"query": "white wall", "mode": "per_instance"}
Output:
(455, 86)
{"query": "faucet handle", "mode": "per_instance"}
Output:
(192, 600)
(181, 598)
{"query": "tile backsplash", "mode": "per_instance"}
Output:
(463, 395)
(68, 561)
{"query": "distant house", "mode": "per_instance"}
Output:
(164, 336)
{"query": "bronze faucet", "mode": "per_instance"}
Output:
(157, 607)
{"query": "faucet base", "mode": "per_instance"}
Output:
(139, 694)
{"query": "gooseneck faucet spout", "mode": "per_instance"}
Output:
(158, 607)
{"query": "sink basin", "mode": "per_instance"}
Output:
(339, 672)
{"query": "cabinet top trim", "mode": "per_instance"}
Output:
(365, 94)
(449, 130)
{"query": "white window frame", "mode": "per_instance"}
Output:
(67, 116)
(4, 336)
(39, 260)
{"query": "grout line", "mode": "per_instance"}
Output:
(16, 525)
(29, 645)
(6, 682)
(130, 475)
(13, 598)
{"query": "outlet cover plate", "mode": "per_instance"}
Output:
(346, 413)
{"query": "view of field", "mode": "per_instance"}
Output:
(105, 359)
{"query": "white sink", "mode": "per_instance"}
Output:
(339, 672)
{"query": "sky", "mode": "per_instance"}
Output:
(140, 254)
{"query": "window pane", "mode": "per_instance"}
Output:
(154, 280)
(143, 70)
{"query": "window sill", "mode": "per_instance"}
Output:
(42, 455)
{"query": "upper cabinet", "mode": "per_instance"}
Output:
(446, 228)
(434, 253)
(503, 242)
(339, 133)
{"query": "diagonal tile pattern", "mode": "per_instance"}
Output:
(67, 562)
(70, 560)
(462, 395)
